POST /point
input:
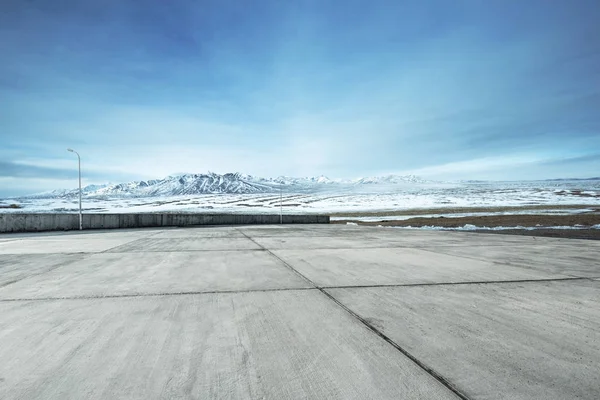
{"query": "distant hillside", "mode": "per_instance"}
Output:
(212, 183)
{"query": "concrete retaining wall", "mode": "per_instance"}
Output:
(18, 222)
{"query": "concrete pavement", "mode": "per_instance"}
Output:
(306, 311)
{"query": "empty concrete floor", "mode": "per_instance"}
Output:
(289, 312)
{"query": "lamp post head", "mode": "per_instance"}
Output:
(71, 150)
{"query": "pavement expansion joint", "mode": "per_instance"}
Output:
(160, 294)
(427, 369)
(455, 283)
(422, 365)
(48, 254)
(175, 251)
(342, 247)
(281, 260)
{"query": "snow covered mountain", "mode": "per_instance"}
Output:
(212, 183)
(87, 190)
(389, 180)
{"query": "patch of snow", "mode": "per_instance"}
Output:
(469, 227)
(567, 211)
(237, 193)
(389, 179)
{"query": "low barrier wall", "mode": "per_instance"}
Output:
(20, 222)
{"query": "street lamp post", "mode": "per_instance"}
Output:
(80, 214)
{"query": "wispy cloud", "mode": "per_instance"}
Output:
(275, 88)
(18, 170)
(510, 167)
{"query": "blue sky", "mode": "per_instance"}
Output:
(461, 89)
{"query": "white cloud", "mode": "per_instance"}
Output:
(477, 168)
(18, 186)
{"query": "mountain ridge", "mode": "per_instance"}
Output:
(213, 183)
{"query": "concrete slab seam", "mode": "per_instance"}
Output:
(320, 288)
(577, 278)
(281, 260)
(46, 254)
(427, 369)
(174, 251)
(415, 360)
(300, 236)
(161, 294)
(342, 247)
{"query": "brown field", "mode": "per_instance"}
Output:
(583, 220)
(422, 211)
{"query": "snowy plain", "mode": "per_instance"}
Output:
(470, 227)
(339, 199)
